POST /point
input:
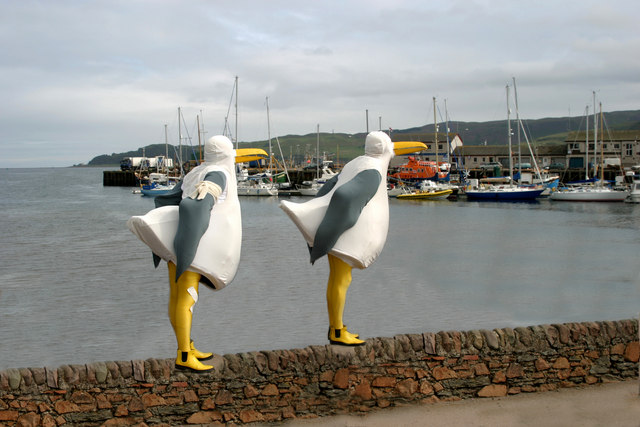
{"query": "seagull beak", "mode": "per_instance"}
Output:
(250, 154)
(408, 147)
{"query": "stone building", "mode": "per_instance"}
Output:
(614, 148)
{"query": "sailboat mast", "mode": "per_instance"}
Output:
(515, 97)
(166, 149)
(446, 125)
(595, 134)
(236, 99)
(199, 141)
(179, 141)
(601, 146)
(318, 151)
(269, 133)
(586, 150)
(435, 135)
(367, 120)
(509, 138)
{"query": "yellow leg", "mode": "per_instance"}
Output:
(337, 286)
(183, 295)
(173, 301)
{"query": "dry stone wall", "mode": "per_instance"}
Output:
(272, 386)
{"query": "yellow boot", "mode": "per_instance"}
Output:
(185, 296)
(187, 361)
(329, 333)
(337, 286)
(344, 337)
(173, 303)
(200, 355)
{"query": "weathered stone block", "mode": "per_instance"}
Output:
(416, 341)
(270, 390)
(341, 378)
(442, 373)
(561, 363)
(553, 336)
(125, 369)
(65, 407)
(403, 347)
(384, 382)
(251, 416)
(493, 390)
(632, 352)
(9, 415)
(205, 417)
(491, 338)
(138, 370)
(406, 388)
(224, 397)
(13, 378)
(429, 343)
(363, 390)
(29, 419)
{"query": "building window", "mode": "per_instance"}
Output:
(628, 149)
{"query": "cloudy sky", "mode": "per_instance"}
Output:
(84, 78)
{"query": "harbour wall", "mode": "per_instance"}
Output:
(276, 386)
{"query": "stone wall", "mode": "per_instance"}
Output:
(324, 380)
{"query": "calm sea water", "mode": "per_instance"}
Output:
(77, 287)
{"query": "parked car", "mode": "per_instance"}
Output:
(491, 165)
(523, 166)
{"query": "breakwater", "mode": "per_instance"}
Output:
(272, 386)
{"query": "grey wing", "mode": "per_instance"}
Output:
(344, 210)
(193, 221)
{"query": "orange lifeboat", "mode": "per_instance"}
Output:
(418, 170)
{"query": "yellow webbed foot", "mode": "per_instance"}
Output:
(344, 337)
(187, 361)
(200, 355)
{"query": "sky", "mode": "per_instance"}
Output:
(83, 78)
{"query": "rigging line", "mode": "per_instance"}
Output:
(609, 135)
(186, 129)
(227, 128)
(584, 115)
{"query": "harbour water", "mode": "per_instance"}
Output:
(77, 287)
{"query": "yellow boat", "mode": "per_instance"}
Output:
(426, 195)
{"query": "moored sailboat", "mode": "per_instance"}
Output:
(508, 191)
(595, 192)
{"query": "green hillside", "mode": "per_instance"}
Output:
(342, 147)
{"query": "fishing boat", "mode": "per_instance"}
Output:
(260, 184)
(311, 188)
(255, 185)
(509, 191)
(160, 182)
(155, 189)
(399, 187)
